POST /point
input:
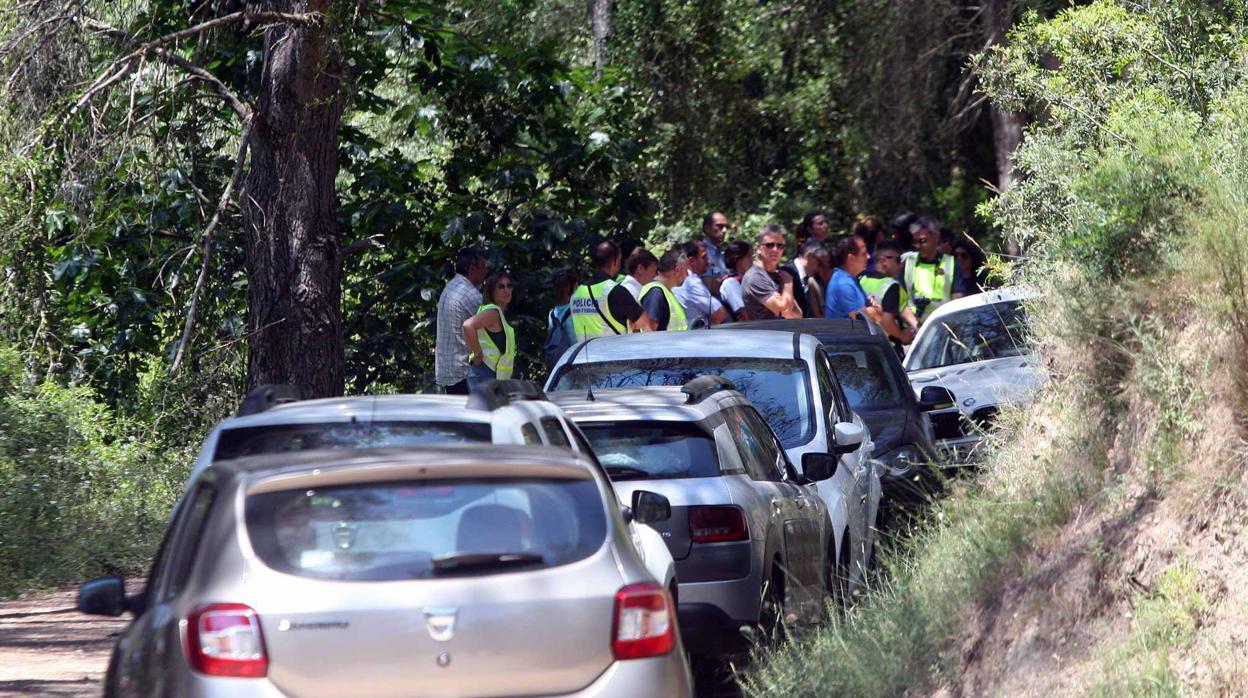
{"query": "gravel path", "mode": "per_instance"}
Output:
(49, 649)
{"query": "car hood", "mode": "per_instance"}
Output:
(996, 381)
(888, 426)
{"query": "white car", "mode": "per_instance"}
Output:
(787, 376)
(272, 419)
(975, 348)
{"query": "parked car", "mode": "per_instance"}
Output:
(787, 377)
(750, 535)
(976, 348)
(875, 383)
(272, 419)
(460, 570)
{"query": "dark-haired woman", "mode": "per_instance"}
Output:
(814, 225)
(491, 341)
(972, 275)
(738, 256)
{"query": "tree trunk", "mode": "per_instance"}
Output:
(1007, 127)
(294, 267)
(600, 27)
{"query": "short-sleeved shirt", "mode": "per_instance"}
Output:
(698, 301)
(458, 302)
(620, 301)
(716, 267)
(655, 305)
(844, 295)
(730, 292)
(757, 285)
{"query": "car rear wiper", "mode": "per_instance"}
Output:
(462, 562)
(626, 472)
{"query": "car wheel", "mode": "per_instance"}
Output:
(838, 573)
(771, 615)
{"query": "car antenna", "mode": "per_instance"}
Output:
(589, 381)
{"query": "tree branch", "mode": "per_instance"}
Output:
(244, 140)
(239, 107)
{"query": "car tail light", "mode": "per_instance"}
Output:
(717, 524)
(644, 625)
(223, 639)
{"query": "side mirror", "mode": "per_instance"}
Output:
(848, 436)
(935, 397)
(819, 466)
(103, 597)
(650, 507)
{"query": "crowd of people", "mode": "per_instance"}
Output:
(895, 275)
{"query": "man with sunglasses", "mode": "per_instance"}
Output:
(881, 285)
(768, 291)
(928, 275)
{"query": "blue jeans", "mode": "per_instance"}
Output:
(478, 374)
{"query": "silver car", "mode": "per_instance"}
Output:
(749, 533)
(449, 571)
(787, 377)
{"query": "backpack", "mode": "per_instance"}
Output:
(558, 335)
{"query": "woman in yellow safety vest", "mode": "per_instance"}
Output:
(491, 341)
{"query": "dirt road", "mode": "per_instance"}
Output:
(49, 649)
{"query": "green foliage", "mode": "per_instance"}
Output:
(82, 491)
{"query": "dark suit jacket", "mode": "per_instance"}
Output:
(799, 292)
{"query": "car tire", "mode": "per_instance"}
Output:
(771, 623)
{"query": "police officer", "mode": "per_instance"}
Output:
(882, 285)
(604, 307)
(657, 298)
(927, 275)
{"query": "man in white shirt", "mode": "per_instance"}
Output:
(702, 308)
(641, 268)
(804, 265)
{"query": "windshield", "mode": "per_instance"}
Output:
(652, 450)
(864, 376)
(976, 334)
(779, 388)
(420, 529)
(282, 438)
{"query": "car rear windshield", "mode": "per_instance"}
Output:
(652, 450)
(868, 381)
(976, 334)
(281, 438)
(779, 388)
(423, 529)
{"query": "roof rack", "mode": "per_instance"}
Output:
(492, 395)
(265, 397)
(702, 387)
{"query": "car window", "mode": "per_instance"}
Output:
(864, 373)
(827, 389)
(426, 528)
(991, 331)
(554, 433)
(529, 433)
(779, 388)
(652, 450)
(760, 452)
(283, 438)
(185, 543)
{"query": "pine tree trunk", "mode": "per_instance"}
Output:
(600, 27)
(294, 266)
(1007, 127)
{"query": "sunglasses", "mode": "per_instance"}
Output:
(772, 245)
(721, 226)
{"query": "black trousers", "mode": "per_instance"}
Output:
(460, 388)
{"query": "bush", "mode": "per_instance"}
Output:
(83, 492)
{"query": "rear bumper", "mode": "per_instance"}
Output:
(655, 676)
